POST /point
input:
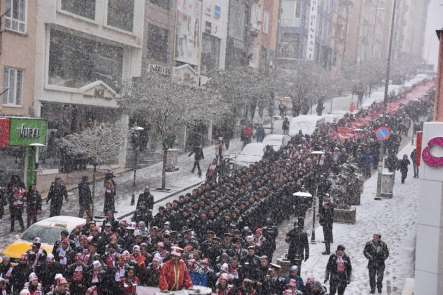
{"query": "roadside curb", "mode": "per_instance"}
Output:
(164, 198)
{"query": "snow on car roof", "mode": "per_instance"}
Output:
(255, 148)
(69, 222)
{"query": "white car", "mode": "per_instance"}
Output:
(276, 140)
(48, 230)
(251, 153)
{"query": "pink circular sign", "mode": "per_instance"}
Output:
(428, 158)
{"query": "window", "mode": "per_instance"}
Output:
(121, 14)
(162, 3)
(158, 43)
(298, 9)
(13, 82)
(84, 8)
(75, 61)
(15, 17)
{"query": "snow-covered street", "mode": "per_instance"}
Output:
(394, 219)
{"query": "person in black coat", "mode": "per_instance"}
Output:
(326, 220)
(285, 126)
(197, 151)
(376, 251)
(338, 271)
(414, 162)
(84, 198)
(110, 193)
(19, 275)
(33, 205)
(47, 271)
(298, 245)
(145, 204)
(403, 167)
(57, 192)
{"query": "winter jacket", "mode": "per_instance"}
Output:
(376, 253)
(33, 201)
(339, 271)
(198, 153)
(84, 194)
(174, 276)
(298, 244)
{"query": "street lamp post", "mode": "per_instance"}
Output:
(136, 130)
(385, 99)
(318, 155)
(32, 167)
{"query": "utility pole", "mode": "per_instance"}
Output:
(388, 67)
(385, 99)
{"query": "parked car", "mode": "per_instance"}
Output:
(276, 140)
(251, 153)
(48, 230)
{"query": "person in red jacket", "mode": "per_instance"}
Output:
(174, 275)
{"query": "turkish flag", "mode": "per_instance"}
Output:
(4, 132)
(418, 148)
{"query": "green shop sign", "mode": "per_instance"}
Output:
(24, 132)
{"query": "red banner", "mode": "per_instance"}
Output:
(4, 132)
(418, 147)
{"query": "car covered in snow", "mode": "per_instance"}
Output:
(276, 140)
(251, 153)
(48, 230)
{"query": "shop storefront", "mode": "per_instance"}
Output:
(20, 139)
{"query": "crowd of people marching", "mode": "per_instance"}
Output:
(222, 235)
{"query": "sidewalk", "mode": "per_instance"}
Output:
(151, 175)
(394, 219)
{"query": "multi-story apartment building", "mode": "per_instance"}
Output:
(293, 32)
(238, 34)
(85, 51)
(17, 43)
(323, 50)
(159, 37)
(252, 34)
(201, 37)
(17, 73)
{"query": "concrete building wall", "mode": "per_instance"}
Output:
(16, 51)
(51, 16)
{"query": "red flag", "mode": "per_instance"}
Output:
(418, 147)
(4, 132)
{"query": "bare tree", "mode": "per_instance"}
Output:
(244, 90)
(100, 144)
(167, 106)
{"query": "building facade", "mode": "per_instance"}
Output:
(237, 40)
(17, 73)
(85, 52)
(159, 37)
(17, 41)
